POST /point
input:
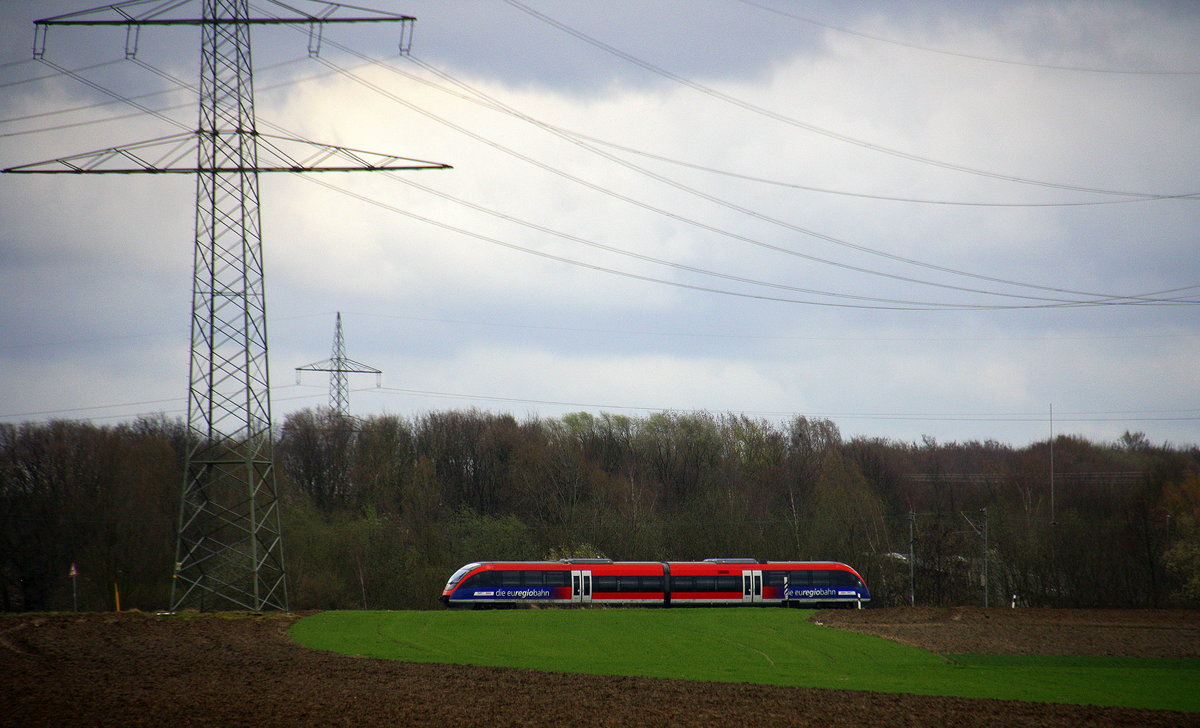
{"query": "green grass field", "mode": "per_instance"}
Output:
(754, 645)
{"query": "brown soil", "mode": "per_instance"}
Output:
(1083, 632)
(223, 670)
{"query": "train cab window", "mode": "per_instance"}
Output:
(510, 578)
(557, 578)
(830, 577)
(483, 579)
(842, 578)
(458, 575)
(531, 578)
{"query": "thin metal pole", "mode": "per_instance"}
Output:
(985, 557)
(1053, 519)
(912, 561)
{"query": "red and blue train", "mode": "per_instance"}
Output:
(712, 582)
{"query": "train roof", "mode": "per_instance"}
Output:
(589, 561)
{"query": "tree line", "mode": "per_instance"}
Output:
(378, 512)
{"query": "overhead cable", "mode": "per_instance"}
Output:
(1098, 298)
(754, 108)
(784, 224)
(971, 56)
(891, 303)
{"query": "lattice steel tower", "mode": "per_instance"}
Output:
(229, 552)
(339, 365)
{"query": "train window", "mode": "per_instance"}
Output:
(800, 578)
(557, 578)
(728, 583)
(510, 578)
(683, 583)
(483, 579)
(628, 584)
(531, 578)
(842, 578)
(652, 583)
(821, 577)
(774, 578)
(605, 583)
(706, 583)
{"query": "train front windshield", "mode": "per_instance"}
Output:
(458, 575)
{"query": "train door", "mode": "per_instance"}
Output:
(752, 583)
(581, 587)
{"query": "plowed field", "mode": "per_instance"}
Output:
(1072, 632)
(230, 670)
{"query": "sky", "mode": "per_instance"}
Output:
(959, 221)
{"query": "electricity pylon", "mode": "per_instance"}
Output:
(338, 366)
(229, 552)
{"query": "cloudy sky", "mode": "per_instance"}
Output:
(922, 219)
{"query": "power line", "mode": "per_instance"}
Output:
(59, 72)
(473, 95)
(668, 262)
(633, 332)
(720, 335)
(868, 196)
(971, 56)
(761, 111)
(901, 305)
(1105, 299)
(1083, 416)
(797, 228)
(116, 96)
(918, 417)
(179, 409)
(694, 269)
(1102, 299)
(14, 64)
(150, 94)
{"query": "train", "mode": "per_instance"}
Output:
(707, 583)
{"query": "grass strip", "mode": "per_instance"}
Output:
(753, 645)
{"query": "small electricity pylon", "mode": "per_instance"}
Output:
(229, 552)
(338, 367)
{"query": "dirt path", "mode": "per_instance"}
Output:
(140, 670)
